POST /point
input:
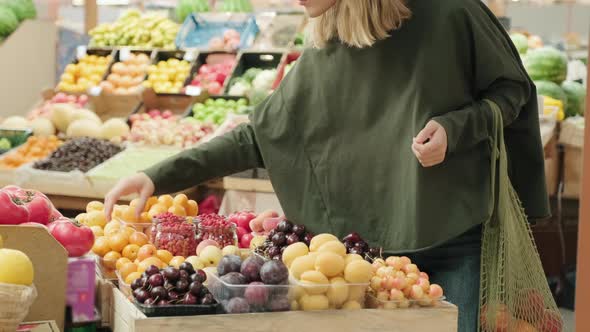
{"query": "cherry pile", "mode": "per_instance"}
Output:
(355, 244)
(172, 286)
(175, 234)
(285, 234)
(215, 227)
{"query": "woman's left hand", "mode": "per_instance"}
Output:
(430, 145)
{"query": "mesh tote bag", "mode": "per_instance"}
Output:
(514, 293)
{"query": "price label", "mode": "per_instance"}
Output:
(80, 52)
(95, 91)
(192, 90)
(190, 55)
(124, 54)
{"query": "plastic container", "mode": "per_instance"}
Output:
(197, 30)
(178, 310)
(179, 238)
(224, 235)
(104, 268)
(375, 303)
(124, 287)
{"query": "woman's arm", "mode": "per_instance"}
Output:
(233, 152)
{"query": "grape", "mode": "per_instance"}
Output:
(204, 292)
(171, 274)
(307, 238)
(207, 299)
(199, 276)
(292, 238)
(151, 270)
(229, 263)
(141, 295)
(156, 280)
(188, 267)
(137, 283)
(348, 244)
(189, 299)
(237, 305)
(362, 244)
(183, 275)
(256, 293)
(159, 292)
(173, 295)
(279, 239)
(299, 230)
(163, 302)
(270, 235)
(195, 288)
(357, 250)
(182, 285)
(274, 272)
(150, 302)
(375, 252)
(274, 251)
(354, 237)
(168, 284)
(285, 226)
(251, 268)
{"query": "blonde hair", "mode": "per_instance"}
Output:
(358, 23)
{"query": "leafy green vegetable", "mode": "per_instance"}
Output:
(8, 21)
(251, 74)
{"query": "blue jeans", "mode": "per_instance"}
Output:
(456, 267)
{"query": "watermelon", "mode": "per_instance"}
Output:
(521, 42)
(576, 98)
(550, 89)
(8, 21)
(546, 64)
(23, 9)
(187, 7)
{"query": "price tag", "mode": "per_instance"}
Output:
(95, 91)
(190, 55)
(192, 90)
(80, 52)
(124, 54)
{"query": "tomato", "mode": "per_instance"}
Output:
(12, 210)
(75, 237)
(19, 205)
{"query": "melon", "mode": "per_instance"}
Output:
(576, 98)
(521, 42)
(550, 89)
(546, 64)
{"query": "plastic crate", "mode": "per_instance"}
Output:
(247, 60)
(15, 136)
(178, 310)
(197, 30)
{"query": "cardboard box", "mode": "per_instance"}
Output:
(81, 288)
(50, 261)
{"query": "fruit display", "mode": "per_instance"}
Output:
(243, 230)
(576, 98)
(168, 76)
(76, 238)
(230, 41)
(187, 7)
(252, 285)
(256, 84)
(218, 229)
(130, 161)
(170, 131)
(127, 75)
(398, 283)
(215, 111)
(327, 276)
(16, 267)
(18, 206)
(172, 286)
(178, 205)
(175, 234)
(553, 90)
(36, 148)
(44, 109)
(79, 122)
(281, 234)
(80, 154)
(86, 73)
(211, 77)
(153, 114)
(134, 29)
(546, 64)
(356, 245)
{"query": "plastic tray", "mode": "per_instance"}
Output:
(197, 30)
(104, 272)
(375, 303)
(124, 287)
(15, 136)
(178, 310)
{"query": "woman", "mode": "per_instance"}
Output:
(383, 128)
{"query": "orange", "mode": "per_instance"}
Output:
(138, 238)
(110, 259)
(164, 255)
(129, 231)
(122, 261)
(166, 200)
(130, 251)
(176, 261)
(128, 214)
(144, 218)
(157, 209)
(118, 241)
(177, 210)
(180, 200)
(146, 251)
(112, 227)
(192, 208)
(150, 202)
(101, 246)
(132, 276)
(127, 269)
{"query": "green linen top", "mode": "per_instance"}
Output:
(336, 135)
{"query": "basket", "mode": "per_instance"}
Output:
(15, 301)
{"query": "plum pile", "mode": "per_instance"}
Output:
(285, 234)
(172, 286)
(355, 244)
(252, 285)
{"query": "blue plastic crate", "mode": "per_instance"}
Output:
(198, 29)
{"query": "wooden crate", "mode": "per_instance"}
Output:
(441, 319)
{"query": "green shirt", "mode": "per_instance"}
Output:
(336, 135)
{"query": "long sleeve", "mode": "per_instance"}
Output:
(231, 153)
(497, 75)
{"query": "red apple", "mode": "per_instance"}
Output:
(245, 240)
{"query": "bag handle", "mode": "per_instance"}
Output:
(498, 161)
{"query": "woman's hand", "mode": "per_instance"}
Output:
(430, 145)
(139, 183)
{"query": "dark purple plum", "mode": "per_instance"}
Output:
(299, 230)
(159, 292)
(234, 278)
(229, 263)
(188, 267)
(284, 226)
(182, 286)
(137, 283)
(195, 288)
(183, 275)
(251, 268)
(171, 274)
(189, 299)
(256, 293)
(237, 305)
(151, 270)
(141, 295)
(279, 304)
(207, 299)
(156, 280)
(274, 272)
(279, 239)
(292, 238)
